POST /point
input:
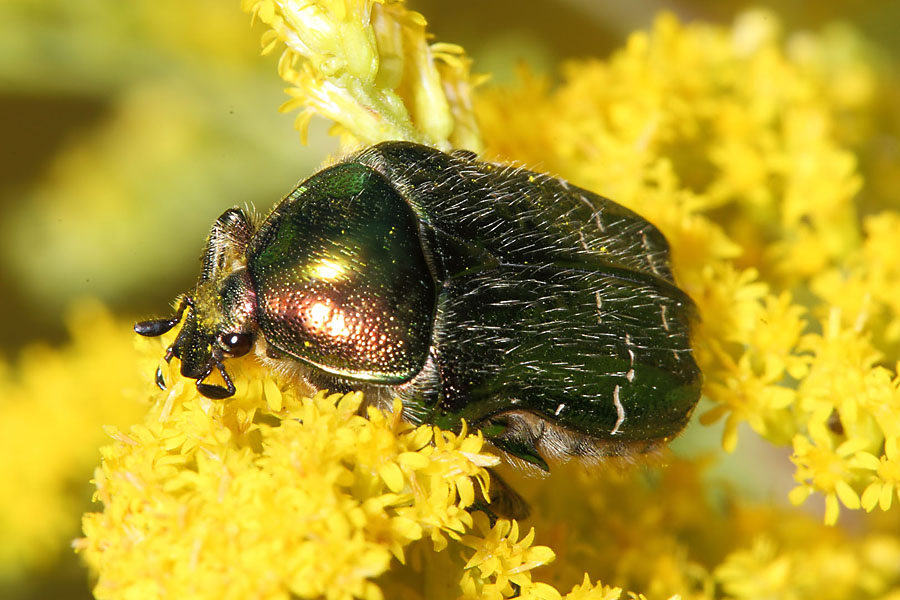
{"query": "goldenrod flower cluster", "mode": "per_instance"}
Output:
(368, 67)
(274, 494)
(271, 494)
(744, 144)
(731, 141)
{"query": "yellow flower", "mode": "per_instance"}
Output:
(752, 389)
(822, 467)
(756, 573)
(501, 556)
(586, 591)
(867, 287)
(881, 491)
(822, 571)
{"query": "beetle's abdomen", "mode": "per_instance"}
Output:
(598, 352)
(342, 280)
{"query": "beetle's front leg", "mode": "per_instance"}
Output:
(504, 502)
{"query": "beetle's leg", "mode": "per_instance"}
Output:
(157, 327)
(522, 448)
(517, 434)
(216, 392)
(160, 382)
(505, 502)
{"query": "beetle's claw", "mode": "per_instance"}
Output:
(216, 392)
(160, 382)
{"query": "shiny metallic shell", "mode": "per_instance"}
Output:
(509, 291)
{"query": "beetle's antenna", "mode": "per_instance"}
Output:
(157, 327)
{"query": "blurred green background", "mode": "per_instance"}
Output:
(127, 127)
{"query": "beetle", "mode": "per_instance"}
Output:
(543, 314)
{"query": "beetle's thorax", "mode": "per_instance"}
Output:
(226, 304)
(224, 300)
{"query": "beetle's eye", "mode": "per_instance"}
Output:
(236, 344)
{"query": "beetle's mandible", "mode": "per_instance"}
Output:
(544, 315)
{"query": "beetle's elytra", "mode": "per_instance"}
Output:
(543, 314)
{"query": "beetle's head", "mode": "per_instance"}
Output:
(220, 323)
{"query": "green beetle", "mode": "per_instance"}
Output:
(544, 315)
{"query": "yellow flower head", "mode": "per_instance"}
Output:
(314, 496)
